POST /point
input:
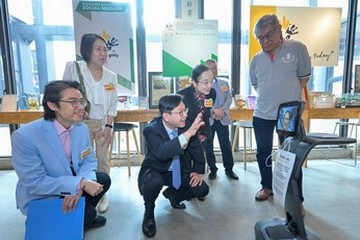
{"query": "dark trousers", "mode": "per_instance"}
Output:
(91, 202)
(150, 184)
(225, 146)
(264, 134)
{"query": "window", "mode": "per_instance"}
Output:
(43, 41)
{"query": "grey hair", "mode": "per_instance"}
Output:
(264, 21)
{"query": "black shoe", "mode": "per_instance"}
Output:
(173, 202)
(212, 175)
(99, 221)
(232, 175)
(149, 227)
(201, 198)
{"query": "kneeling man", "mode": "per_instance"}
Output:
(166, 142)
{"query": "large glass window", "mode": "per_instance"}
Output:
(155, 18)
(43, 41)
(222, 12)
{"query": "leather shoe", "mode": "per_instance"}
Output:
(174, 203)
(212, 175)
(149, 227)
(232, 175)
(201, 198)
(99, 221)
(263, 194)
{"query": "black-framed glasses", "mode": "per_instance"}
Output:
(268, 36)
(75, 103)
(181, 113)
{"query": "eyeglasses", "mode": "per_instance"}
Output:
(268, 36)
(75, 103)
(181, 113)
(206, 82)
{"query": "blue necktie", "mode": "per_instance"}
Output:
(175, 166)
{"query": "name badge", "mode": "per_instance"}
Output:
(224, 88)
(109, 87)
(208, 103)
(85, 153)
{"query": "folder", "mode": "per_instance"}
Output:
(45, 220)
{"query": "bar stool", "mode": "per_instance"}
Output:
(117, 130)
(243, 125)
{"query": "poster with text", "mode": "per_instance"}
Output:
(318, 28)
(187, 43)
(284, 165)
(111, 20)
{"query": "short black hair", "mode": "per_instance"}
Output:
(87, 43)
(198, 70)
(53, 93)
(168, 102)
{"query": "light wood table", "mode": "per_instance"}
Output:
(312, 113)
(21, 117)
(146, 115)
(140, 115)
(329, 113)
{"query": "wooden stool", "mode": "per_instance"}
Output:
(244, 125)
(124, 127)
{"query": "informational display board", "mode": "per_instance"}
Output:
(112, 20)
(318, 28)
(187, 43)
(284, 165)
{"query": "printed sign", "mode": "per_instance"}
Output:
(111, 20)
(284, 165)
(319, 30)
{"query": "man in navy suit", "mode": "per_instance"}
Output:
(220, 121)
(53, 156)
(156, 169)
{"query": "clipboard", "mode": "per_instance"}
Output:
(45, 220)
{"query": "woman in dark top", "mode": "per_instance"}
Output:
(199, 97)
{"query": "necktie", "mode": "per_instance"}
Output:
(175, 166)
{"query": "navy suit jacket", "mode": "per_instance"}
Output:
(39, 160)
(160, 150)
